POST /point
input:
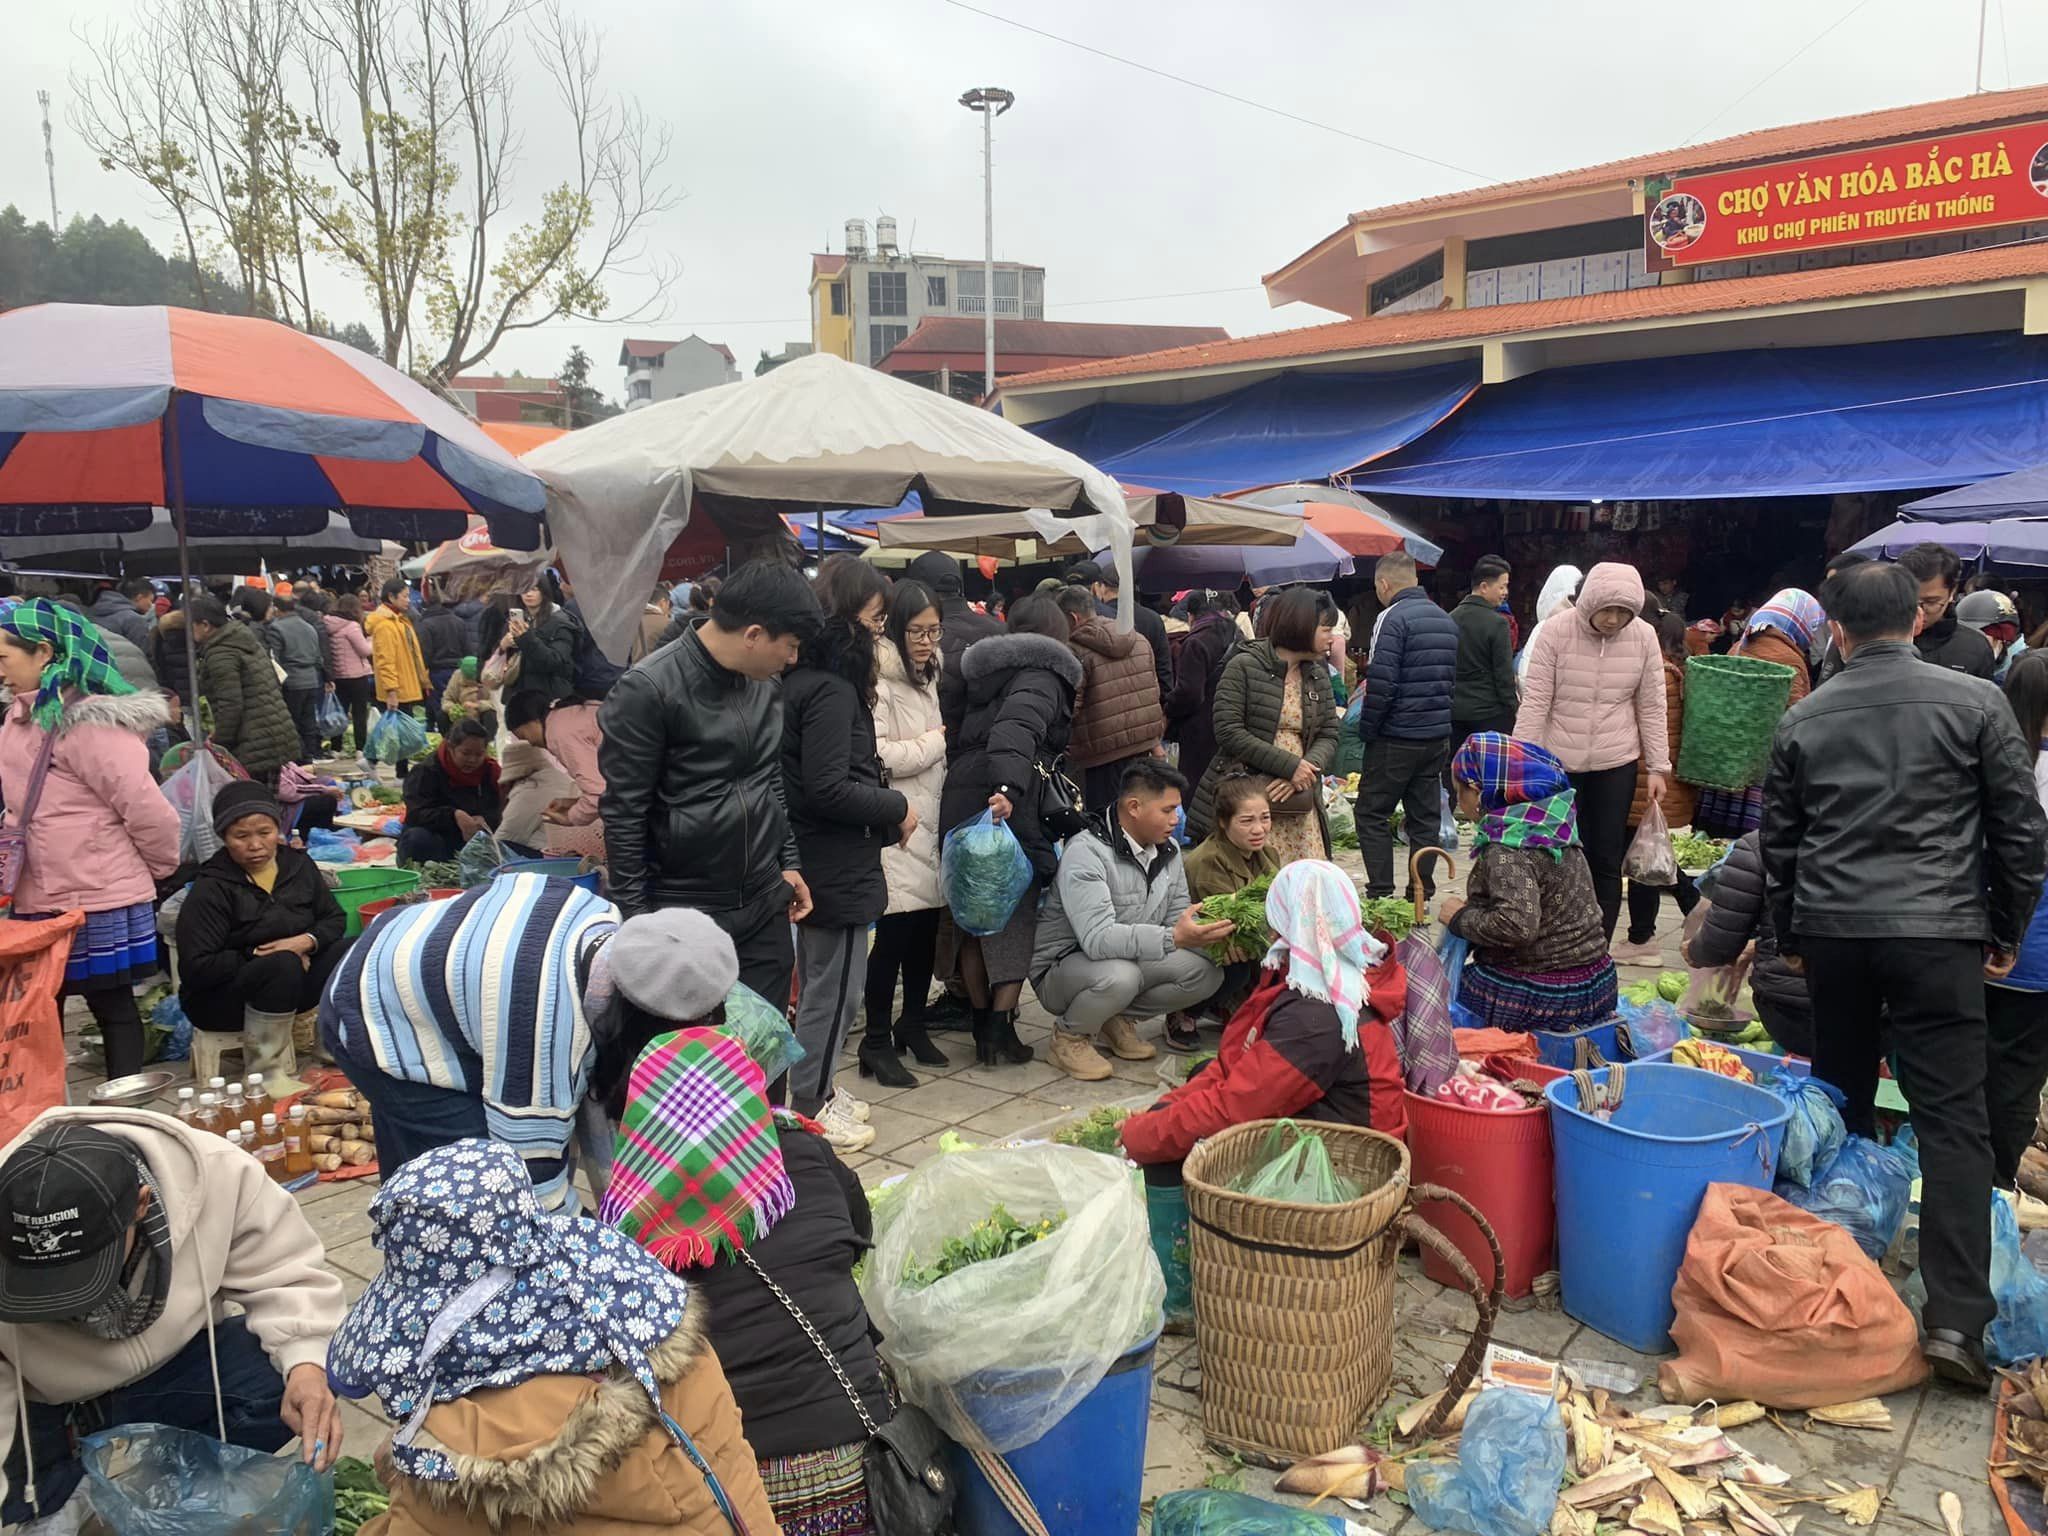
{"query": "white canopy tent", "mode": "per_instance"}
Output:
(815, 435)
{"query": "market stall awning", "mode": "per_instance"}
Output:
(1798, 421)
(2023, 493)
(1162, 518)
(2013, 541)
(1299, 426)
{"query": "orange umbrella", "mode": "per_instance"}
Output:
(1354, 531)
(520, 436)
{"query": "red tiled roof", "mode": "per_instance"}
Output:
(1634, 304)
(827, 266)
(1916, 121)
(1048, 338)
(719, 347)
(637, 349)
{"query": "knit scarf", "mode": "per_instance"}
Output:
(78, 658)
(462, 778)
(1525, 796)
(698, 1167)
(138, 1301)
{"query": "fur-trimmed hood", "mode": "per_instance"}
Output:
(136, 713)
(550, 1450)
(1008, 652)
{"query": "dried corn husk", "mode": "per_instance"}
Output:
(1655, 1513)
(1864, 1413)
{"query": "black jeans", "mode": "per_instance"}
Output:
(1605, 795)
(119, 1017)
(904, 944)
(2016, 1065)
(1934, 991)
(178, 1393)
(1408, 774)
(1643, 901)
(760, 932)
(356, 695)
(303, 704)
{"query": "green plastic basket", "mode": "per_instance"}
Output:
(1732, 705)
(356, 886)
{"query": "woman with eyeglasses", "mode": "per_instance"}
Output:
(911, 740)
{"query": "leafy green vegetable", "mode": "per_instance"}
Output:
(1671, 985)
(1394, 915)
(1640, 993)
(993, 1237)
(1096, 1130)
(1696, 852)
(1247, 910)
(358, 1496)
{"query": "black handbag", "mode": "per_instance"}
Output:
(910, 1490)
(1061, 810)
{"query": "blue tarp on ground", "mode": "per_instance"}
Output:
(1798, 421)
(1301, 426)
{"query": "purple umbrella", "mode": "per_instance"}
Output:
(1312, 557)
(2021, 541)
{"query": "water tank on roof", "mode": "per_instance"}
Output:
(856, 238)
(885, 235)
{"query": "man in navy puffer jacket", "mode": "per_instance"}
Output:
(1405, 722)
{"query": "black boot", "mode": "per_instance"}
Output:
(912, 1037)
(987, 1048)
(1008, 1047)
(951, 1011)
(878, 1059)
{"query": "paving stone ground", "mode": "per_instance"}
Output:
(1939, 1441)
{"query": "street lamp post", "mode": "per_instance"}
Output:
(991, 101)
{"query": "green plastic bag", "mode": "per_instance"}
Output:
(1294, 1165)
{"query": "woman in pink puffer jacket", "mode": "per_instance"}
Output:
(1593, 695)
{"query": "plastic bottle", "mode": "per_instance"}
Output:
(248, 1129)
(218, 1087)
(297, 1160)
(270, 1149)
(209, 1118)
(256, 1097)
(234, 1138)
(188, 1109)
(232, 1103)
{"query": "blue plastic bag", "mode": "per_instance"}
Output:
(330, 719)
(1446, 822)
(395, 737)
(330, 845)
(1504, 1482)
(1863, 1189)
(1217, 1512)
(169, 1016)
(2020, 1331)
(1651, 1027)
(152, 1480)
(1816, 1132)
(983, 873)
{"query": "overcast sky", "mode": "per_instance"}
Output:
(790, 116)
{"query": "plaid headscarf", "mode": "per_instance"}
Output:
(1525, 797)
(1319, 938)
(79, 658)
(698, 1167)
(1795, 614)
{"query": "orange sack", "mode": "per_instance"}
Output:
(1777, 1306)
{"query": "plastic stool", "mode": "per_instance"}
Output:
(209, 1047)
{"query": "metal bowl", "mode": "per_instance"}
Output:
(138, 1088)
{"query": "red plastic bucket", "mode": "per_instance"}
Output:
(1501, 1162)
(372, 909)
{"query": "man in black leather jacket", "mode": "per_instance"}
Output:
(1904, 850)
(693, 807)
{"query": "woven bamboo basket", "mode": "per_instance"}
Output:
(1294, 1303)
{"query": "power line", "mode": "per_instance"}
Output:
(1797, 54)
(1198, 85)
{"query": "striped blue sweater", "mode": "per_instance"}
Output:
(482, 995)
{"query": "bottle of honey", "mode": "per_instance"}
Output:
(210, 1118)
(188, 1109)
(234, 1138)
(298, 1159)
(270, 1149)
(256, 1098)
(233, 1106)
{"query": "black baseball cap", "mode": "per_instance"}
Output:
(67, 1200)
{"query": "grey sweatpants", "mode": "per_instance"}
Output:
(1084, 994)
(832, 969)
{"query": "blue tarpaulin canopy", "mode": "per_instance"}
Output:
(1300, 426)
(1797, 421)
(2024, 493)
(2017, 541)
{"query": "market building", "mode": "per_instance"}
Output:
(1720, 363)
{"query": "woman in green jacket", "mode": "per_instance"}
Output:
(1230, 858)
(1276, 719)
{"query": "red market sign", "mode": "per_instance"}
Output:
(1894, 192)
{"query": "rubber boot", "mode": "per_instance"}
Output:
(1166, 1207)
(1008, 1047)
(267, 1048)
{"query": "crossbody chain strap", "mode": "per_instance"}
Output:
(817, 1342)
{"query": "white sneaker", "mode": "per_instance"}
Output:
(845, 1133)
(1650, 953)
(859, 1109)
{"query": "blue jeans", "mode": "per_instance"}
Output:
(178, 1393)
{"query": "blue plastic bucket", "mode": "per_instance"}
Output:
(1762, 1063)
(1628, 1188)
(1562, 1050)
(561, 869)
(1086, 1474)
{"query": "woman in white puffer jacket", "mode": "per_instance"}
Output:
(1593, 696)
(911, 741)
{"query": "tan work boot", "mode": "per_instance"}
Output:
(1073, 1055)
(1121, 1036)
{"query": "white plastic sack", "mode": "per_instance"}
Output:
(191, 790)
(1000, 1351)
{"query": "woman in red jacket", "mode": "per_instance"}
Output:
(1312, 1042)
